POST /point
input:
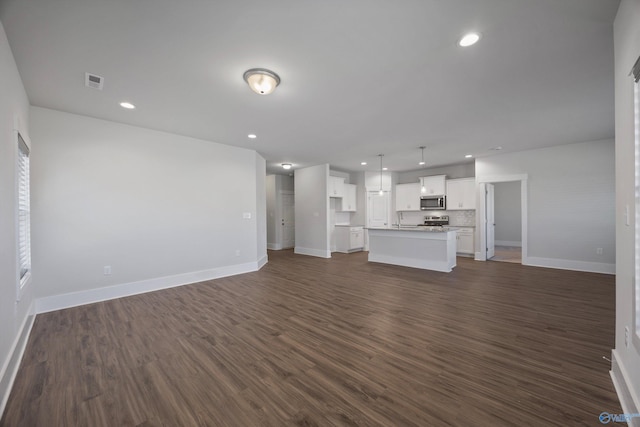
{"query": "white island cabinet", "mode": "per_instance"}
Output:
(418, 247)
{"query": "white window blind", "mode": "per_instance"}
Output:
(636, 112)
(24, 211)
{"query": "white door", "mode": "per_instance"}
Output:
(378, 209)
(288, 220)
(491, 221)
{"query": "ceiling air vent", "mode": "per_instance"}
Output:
(93, 81)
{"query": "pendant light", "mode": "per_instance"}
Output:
(423, 189)
(381, 192)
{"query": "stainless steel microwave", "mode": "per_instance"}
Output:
(433, 203)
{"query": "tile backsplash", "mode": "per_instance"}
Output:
(456, 218)
(462, 218)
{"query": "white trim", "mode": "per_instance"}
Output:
(274, 246)
(12, 363)
(629, 401)
(73, 299)
(263, 261)
(508, 243)
(501, 178)
(568, 264)
(312, 252)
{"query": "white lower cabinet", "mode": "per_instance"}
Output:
(465, 240)
(349, 239)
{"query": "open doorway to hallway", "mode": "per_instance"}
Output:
(502, 219)
(507, 222)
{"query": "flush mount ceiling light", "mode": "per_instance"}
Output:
(127, 105)
(261, 80)
(286, 166)
(468, 156)
(363, 163)
(469, 39)
(252, 136)
(421, 163)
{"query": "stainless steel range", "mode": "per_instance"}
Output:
(436, 221)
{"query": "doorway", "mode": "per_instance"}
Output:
(377, 209)
(507, 222)
(287, 208)
(502, 219)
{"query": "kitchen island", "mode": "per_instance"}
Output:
(429, 248)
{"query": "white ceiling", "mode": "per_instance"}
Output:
(359, 77)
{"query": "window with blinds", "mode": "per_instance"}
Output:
(24, 212)
(635, 72)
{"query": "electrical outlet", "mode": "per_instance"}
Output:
(107, 270)
(626, 336)
(599, 251)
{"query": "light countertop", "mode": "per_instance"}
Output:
(421, 229)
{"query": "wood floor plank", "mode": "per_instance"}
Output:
(330, 342)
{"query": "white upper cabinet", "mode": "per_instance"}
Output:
(336, 186)
(433, 185)
(408, 197)
(349, 198)
(461, 194)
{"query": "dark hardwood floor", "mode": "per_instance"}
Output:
(316, 342)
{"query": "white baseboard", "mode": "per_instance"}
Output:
(11, 365)
(274, 246)
(508, 243)
(629, 401)
(73, 299)
(566, 264)
(263, 261)
(312, 252)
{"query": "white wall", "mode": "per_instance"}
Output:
(508, 215)
(160, 209)
(464, 170)
(14, 115)
(626, 359)
(260, 192)
(272, 211)
(312, 211)
(571, 194)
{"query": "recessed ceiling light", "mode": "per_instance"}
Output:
(363, 163)
(127, 105)
(421, 163)
(385, 169)
(252, 136)
(469, 39)
(286, 166)
(468, 156)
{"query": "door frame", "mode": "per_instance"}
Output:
(481, 213)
